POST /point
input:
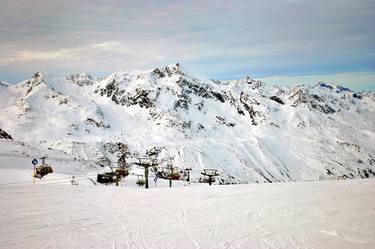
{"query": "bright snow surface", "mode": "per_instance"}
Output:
(325, 214)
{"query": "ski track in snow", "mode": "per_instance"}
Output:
(328, 214)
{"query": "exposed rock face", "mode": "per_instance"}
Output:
(250, 105)
(116, 148)
(99, 124)
(81, 79)
(140, 98)
(302, 96)
(277, 99)
(167, 71)
(5, 135)
(36, 80)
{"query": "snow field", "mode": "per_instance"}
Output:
(326, 214)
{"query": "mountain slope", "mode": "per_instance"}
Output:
(251, 132)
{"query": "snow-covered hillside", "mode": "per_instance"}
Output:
(250, 131)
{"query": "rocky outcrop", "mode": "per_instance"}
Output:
(32, 83)
(250, 105)
(98, 124)
(5, 135)
(300, 95)
(81, 79)
(277, 99)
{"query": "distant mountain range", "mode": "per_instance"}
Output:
(250, 131)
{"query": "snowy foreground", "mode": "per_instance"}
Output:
(326, 214)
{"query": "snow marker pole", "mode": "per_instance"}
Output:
(188, 177)
(146, 176)
(117, 178)
(34, 162)
(170, 176)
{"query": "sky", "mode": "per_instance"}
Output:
(279, 41)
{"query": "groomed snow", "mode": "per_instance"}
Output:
(325, 214)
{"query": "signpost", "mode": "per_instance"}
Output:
(155, 180)
(34, 162)
(170, 167)
(188, 174)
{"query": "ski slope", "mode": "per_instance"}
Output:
(325, 214)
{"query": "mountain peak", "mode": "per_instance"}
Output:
(81, 79)
(33, 82)
(332, 87)
(37, 75)
(168, 71)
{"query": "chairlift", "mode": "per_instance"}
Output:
(44, 169)
(169, 173)
(209, 175)
(113, 176)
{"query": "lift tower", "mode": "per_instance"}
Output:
(146, 162)
(210, 173)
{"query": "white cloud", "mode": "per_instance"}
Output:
(83, 53)
(218, 38)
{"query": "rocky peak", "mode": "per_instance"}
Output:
(168, 71)
(81, 79)
(302, 96)
(331, 87)
(36, 79)
(33, 82)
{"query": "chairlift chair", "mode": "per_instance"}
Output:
(209, 175)
(44, 169)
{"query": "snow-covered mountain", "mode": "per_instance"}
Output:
(251, 132)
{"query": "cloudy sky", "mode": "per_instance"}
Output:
(280, 41)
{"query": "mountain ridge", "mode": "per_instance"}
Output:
(248, 130)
